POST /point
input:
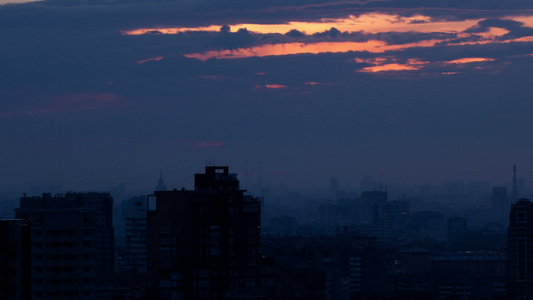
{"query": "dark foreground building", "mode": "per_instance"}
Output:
(520, 250)
(72, 243)
(14, 259)
(205, 244)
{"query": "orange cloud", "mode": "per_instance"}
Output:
(275, 86)
(389, 67)
(372, 46)
(158, 58)
(493, 33)
(271, 86)
(468, 60)
(388, 64)
(527, 20)
(169, 30)
(369, 23)
(521, 39)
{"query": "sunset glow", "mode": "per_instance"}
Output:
(169, 30)
(140, 62)
(469, 60)
(271, 86)
(365, 91)
(275, 86)
(388, 64)
(389, 67)
(368, 23)
(372, 46)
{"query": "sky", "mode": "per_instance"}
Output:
(105, 92)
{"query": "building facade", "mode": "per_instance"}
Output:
(135, 247)
(15, 267)
(520, 249)
(63, 252)
(205, 244)
(72, 243)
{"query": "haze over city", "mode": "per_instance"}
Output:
(100, 93)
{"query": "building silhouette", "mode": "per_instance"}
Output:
(72, 243)
(455, 226)
(520, 249)
(395, 218)
(374, 201)
(135, 247)
(205, 244)
(63, 248)
(15, 267)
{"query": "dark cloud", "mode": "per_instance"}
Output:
(516, 29)
(295, 34)
(333, 33)
(399, 38)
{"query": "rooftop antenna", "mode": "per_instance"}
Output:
(514, 192)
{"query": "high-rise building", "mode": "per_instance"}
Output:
(135, 250)
(72, 241)
(15, 251)
(205, 244)
(395, 216)
(520, 249)
(102, 205)
(63, 248)
(376, 201)
(455, 226)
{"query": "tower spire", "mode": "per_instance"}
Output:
(161, 186)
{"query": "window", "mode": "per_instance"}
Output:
(521, 217)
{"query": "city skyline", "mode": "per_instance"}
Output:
(104, 93)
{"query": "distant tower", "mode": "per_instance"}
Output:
(161, 186)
